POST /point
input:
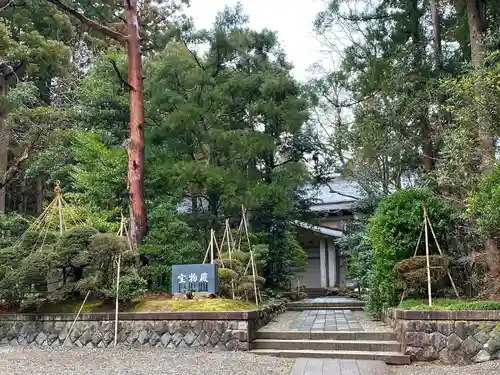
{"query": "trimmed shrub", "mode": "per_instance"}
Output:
(393, 233)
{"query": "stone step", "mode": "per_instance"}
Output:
(327, 303)
(322, 307)
(356, 345)
(326, 335)
(392, 358)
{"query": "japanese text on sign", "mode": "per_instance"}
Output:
(194, 278)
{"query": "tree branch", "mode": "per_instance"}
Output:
(122, 80)
(14, 168)
(3, 7)
(88, 22)
(195, 56)
(340, 193)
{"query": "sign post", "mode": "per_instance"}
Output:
(195, 278)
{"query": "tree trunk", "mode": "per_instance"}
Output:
(443, 117)
(436, 28)
(135, 144)
(39, 195)
(4, 143)
(4, 157)
(135, 147)
(417, 40)
(477, 31)
(462, 28)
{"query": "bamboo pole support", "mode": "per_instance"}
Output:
(211, 246)
(429, 289)
(57, 190)
(117, 295)
(219, 253)
(442, 254)
(206, 253)
(251, 254)
(229, 243)
(76, 318)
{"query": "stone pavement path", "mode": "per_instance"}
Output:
(326, 320)
(317, 366)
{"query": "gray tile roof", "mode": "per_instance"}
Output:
(335, 194)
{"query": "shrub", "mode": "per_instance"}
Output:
(260, 281)
(226, 275)
(73, 246)
(131, 287)
(483, 204)
(413, 272)
(247, 290)
(12, 226)
(393, 233)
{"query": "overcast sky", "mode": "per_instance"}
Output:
(292, 20)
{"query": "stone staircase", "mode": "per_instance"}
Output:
(358, 345)
(316, 292)
(326, 304)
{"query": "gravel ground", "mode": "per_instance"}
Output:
(132, 361)
(281, 322)
(369, 324)
(486, 368)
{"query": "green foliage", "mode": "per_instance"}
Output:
(73, 249)
(169, 241)
(12, 226)
(360, 255)
(225, 127)
(483, 204)
(393, 233)
(449, 304)
(413, 272)
(99, 175)
(226, 275)
(100, 274)
(131, 287)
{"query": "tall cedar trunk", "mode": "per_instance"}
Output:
(4, 144)
(436, 31)
(39, 195)
(461, 34)
(418, 60)
(477, 30)
(443, 116)
(135, 146)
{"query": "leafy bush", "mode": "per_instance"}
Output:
(169, 241)
(73, 246)
(449, 304)
(12, 226)
(105, 248)
(131, 287)
(483, 204)
(413, 272)
(360, 255)
(393, 233)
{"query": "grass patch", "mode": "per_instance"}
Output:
(449, 304)
(73, 307)
(212, 304)
(153, 304)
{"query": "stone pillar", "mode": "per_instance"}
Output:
(322, 262)
(332, 264)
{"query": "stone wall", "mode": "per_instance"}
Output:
(268, 312)
(454, 337)
(220, 330)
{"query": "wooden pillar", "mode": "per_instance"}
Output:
(322, 262)
(332, 264)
